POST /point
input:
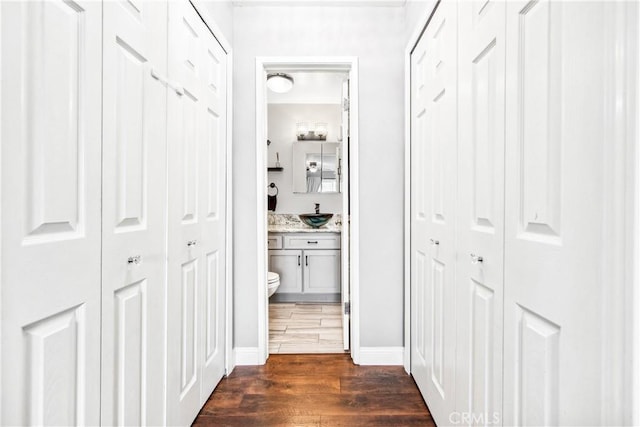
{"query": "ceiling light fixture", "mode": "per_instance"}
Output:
(279, 82)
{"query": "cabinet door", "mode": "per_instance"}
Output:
(51, 132)
(321, 272)
(134, 200)
(288, 264)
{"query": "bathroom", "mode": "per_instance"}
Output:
(307, 193)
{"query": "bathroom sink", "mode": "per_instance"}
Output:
(315, 220)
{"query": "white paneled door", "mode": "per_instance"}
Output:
(553, 242)
(433, 154)
(51, 103)
(480, 207)
(196, 221)
(133, 211)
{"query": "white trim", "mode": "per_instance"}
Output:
(261, 213)
(226, 46)
(633, 209)
(354, 218)
(415, 37)
(319, 3)
(382, 356)
(339, 63)
(248, 356)
(230, 355)
(617, 296)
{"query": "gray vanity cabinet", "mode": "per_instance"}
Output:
(321, 271)
(288, 264)
(308, 265)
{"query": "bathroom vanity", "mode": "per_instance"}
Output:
(308, 263)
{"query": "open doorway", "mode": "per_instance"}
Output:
(306, 138)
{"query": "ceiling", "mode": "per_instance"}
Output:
(325, 3)
(311, 87)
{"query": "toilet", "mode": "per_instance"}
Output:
(273, 281)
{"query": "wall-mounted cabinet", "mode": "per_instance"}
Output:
(308, 265)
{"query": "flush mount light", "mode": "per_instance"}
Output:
(279, 82)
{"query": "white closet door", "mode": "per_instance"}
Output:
(480, 209)
(134, 200)
(197, 173)
(51, 103)
(212, 209)
(553, 286)
(434, 130)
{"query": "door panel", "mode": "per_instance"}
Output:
(434, 142)
(554, 188)
(480, 231)
(197, 190)
(134, 223)
(51, 103)
(212, 187)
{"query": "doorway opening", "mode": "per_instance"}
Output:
(307, 167)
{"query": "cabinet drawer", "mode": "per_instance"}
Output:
(312, 241)
(274, 242)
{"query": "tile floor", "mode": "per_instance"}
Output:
(305, 328)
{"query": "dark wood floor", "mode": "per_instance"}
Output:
(315, 390)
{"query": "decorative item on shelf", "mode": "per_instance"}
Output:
(277, 167)
(304, 133)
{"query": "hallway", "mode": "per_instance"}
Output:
(315, 390)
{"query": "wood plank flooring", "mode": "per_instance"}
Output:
(305, 328)
(315, 390)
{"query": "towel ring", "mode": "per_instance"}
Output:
(272, 185)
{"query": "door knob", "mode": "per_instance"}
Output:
(192, 243)
(476, 259)
(435, 242)
(136, 260)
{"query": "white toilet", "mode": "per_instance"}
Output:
(273, 281)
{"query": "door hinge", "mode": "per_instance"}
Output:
(345, 104)
(347, 308)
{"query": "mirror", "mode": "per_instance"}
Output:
(316, 167)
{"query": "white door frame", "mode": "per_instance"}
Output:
(230, 362)
(341, 63)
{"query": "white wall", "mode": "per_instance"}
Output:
(376, 35)
(221, 11)
(416, 13)
(282, 119)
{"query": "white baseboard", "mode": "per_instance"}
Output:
(247, 356)
(389, 356)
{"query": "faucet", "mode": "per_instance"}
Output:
(317, 208)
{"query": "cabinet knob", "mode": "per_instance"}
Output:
(434, 242)
(191, 243)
